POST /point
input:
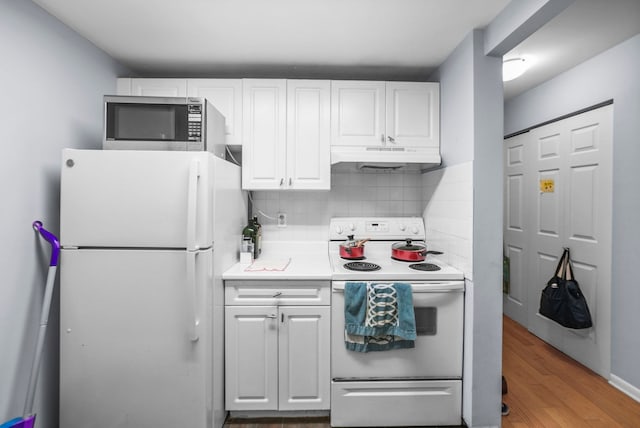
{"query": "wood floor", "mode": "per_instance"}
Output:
(546, 389)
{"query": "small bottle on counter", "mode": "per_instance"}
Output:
(258, 241)
(253, 232)
(246, 252)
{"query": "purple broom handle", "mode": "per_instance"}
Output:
(51, 238)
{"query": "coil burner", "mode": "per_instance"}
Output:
(362, 266)
(425, 267)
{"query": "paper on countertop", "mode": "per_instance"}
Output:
(268, 265)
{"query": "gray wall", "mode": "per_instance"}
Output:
(610, 75)
(52, 82)
(471, 103)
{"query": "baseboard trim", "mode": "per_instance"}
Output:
(625, 387)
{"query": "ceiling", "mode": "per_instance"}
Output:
(339, 39)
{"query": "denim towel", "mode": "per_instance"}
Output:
(378, 316)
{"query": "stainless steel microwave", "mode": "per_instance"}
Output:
(162, 123)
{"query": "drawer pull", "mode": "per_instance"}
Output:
(278, 294)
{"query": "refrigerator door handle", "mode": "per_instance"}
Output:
(192, 290)
(192, 204)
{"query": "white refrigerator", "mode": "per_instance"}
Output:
(145, 237)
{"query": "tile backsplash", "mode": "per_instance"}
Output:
(444, 198)
(448, 214)
(352, 194)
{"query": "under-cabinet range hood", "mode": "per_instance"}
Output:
(385, 157)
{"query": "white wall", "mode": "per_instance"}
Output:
(610, 75)
(52, 82)
(471, 98)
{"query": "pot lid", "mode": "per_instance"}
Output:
(408, 246)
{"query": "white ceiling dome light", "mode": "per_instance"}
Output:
(513, 68)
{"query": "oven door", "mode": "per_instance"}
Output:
(437, 354)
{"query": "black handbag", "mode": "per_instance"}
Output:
(562, 301)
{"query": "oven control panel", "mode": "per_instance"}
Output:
(384, 228)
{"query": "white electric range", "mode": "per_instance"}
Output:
(401, 387)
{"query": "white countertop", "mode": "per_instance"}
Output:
(308, 261)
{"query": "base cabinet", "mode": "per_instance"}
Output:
(277, 355)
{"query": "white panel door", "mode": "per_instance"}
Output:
(304, 358)
(413, 114)
(129, 198)
(226, 96)
(357, 113)
(517, 228)
(308, 140)
(153, 87)
(264, 133)
(568, 186)
(251, 357)
(126, 354)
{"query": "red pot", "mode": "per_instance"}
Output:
(410, 252)
(352, 252)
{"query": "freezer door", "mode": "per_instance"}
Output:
(128, 357)
(113, 198)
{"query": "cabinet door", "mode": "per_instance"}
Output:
(251, 357)
(308, 127)
(159, 87)
(304, 358)
(357, 113)
(226, 96)
(264, 133)
(413, 114)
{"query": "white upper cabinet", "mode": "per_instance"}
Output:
(264, 103)
(308, 140)
(413, 114)
(226, 96)
(402, 114)
(357, 113)
(154, 87)
(286, 134)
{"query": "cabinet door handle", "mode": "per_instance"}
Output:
(282, 317)
(278, 294)
(290, 181)
(391, 139)
(272, 316)
(382, 138)
(281, 181)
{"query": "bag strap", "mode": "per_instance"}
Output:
(561, 269)
(568, 274)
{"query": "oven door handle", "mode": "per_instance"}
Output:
(434, 287)
(431, 290)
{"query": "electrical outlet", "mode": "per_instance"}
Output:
(282, 220)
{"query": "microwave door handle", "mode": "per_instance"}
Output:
(192, 290)
(192, 204)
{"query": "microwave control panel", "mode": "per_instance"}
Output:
(195, 122)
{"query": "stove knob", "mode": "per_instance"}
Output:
(402, 227)
(414, 230)
(352, 227)
(339, 230)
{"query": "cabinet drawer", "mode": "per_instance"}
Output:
(277, 293)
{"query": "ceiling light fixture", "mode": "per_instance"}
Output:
(513, 68)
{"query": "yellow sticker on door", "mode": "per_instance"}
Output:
(547, 186)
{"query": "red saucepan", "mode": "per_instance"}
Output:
(409, 252)
(353, 250)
